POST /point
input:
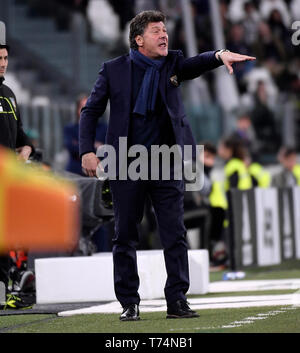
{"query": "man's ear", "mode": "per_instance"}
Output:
(139, 40)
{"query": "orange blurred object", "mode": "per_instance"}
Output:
(38, 211)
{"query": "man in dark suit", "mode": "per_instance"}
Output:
(146, 108)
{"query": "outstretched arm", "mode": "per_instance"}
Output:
(190, 68)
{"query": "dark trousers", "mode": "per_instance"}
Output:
(167, 200)
(5, 265)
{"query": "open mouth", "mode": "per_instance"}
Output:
(163, 45)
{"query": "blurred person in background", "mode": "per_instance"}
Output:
(245, 133)
(71, 138)
(12, 136)
(147, 112)
(266, 7)
(234, 153)
(218, 206)
(263, 119)
(236, 43)
(269, 49)
(259, 175)
(267, 45)
(279, 29)
(236, 176)
(71, 143)
(250, 21)
(290, 168)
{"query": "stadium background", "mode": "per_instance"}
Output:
(57, 52)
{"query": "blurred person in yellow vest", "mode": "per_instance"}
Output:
(260, 176)
(217, 195)
(218, 207)
(236, 173)
(289, 175)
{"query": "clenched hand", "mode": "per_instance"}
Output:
(90, 163)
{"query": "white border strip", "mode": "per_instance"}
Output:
(196, 304)
(259, 285)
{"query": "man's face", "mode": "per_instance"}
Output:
(290, 161)
(244, 123)
(209, 158)
(224, 152)
(3, 61)
(153, 43)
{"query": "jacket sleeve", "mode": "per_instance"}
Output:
(22, 138)
(190, 68)
(90, 113)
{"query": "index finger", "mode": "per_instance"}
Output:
(247, 57)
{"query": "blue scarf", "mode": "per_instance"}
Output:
(147, 95)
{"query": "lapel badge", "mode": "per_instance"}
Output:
(174, 80)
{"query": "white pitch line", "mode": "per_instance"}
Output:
(254, 285)
(240, 323)
(195, 304)
(251, 318)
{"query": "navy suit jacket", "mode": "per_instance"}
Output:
(114, 84)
